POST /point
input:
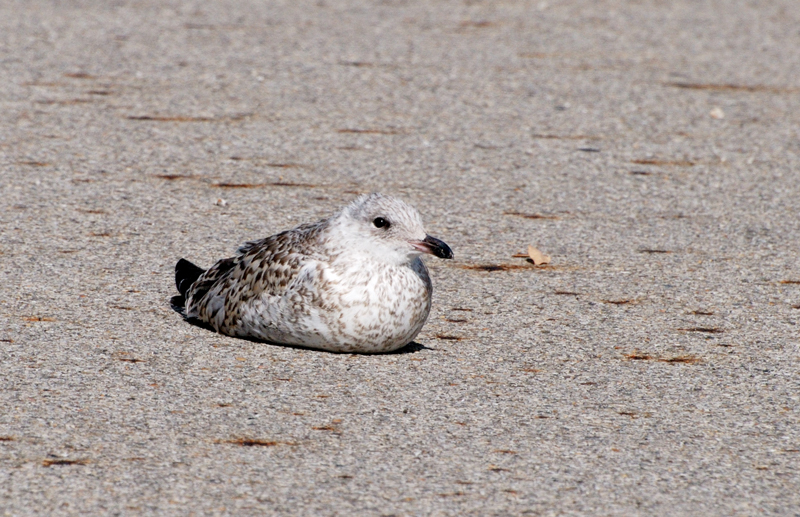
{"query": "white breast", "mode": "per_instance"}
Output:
(371, 308)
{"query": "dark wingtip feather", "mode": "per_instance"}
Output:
(178, 304)
(186, 274)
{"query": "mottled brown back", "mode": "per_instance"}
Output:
(263, 266)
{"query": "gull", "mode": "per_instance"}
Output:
(353, 282)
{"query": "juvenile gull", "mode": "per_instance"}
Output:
(353, 282)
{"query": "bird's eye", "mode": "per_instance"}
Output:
(380, 222)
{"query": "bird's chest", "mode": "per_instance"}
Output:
(372, 295)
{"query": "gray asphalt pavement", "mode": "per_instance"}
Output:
(651, 148)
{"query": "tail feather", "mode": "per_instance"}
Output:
(186, 274)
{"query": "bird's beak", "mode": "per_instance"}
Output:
(433, 246)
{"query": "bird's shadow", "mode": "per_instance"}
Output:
(178, 304)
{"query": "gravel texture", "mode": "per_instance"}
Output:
(651, 148)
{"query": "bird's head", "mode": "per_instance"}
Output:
(387, 229)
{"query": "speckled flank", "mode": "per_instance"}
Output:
(341, 284)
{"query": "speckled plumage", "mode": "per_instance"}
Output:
(353, 282)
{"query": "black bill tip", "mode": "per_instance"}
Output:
(437, 248)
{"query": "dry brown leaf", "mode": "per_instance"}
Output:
(537, 256)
